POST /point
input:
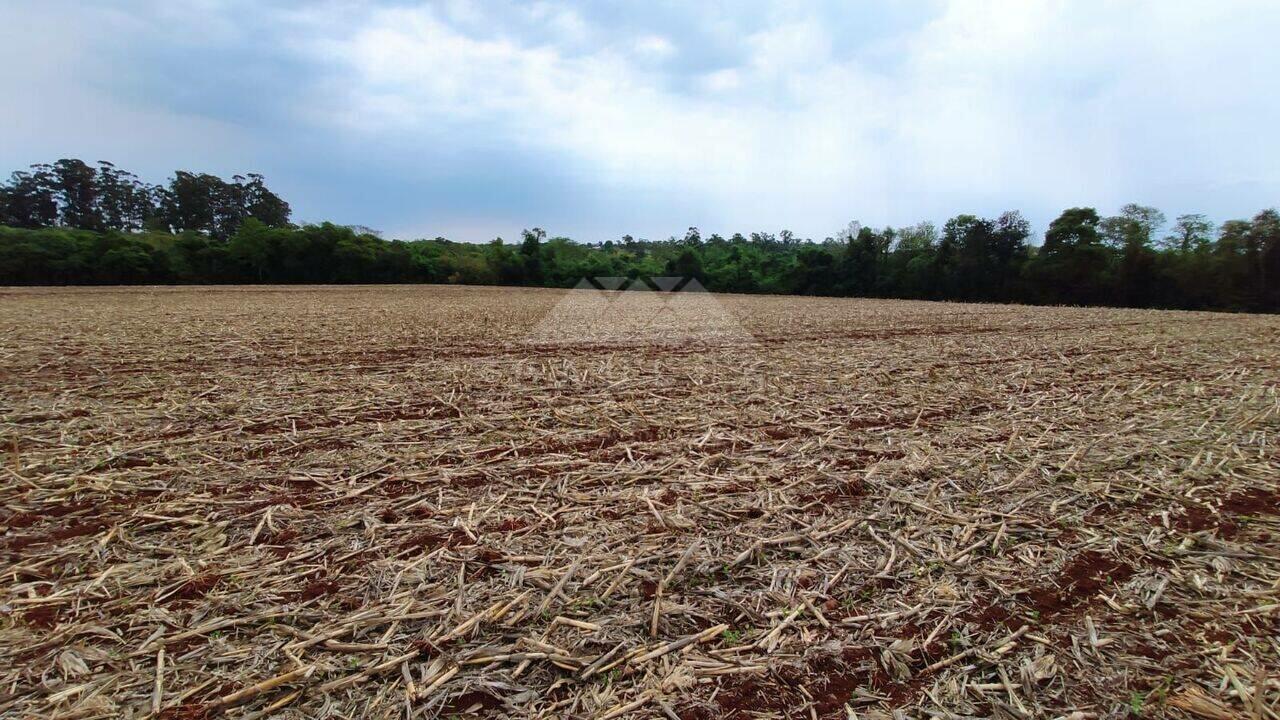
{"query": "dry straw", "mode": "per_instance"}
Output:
(389, 502)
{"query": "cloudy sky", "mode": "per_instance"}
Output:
(593, 119)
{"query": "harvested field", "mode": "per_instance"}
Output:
(439, 501)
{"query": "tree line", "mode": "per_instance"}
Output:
(73, 194)
(71, 223)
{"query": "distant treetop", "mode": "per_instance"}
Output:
(73, 194)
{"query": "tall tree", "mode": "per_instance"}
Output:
(30, 198)
(75, 185)
(124, 202)
(1009, 252)
(188, 202)
(1072, 267)
(260, 203)
(1074, 227)
(1132, 232)
(910, 264)
(1190, 233)
(208, 204)
(531, 252)
(863, 258)
(1263, 253)
(1135, 225)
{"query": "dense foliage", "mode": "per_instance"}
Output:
(69, 223)
(74, 194)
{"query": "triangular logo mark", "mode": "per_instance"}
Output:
(639, 285)
(682, 312)
(667, 284)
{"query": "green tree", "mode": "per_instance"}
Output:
(1073, 266)
(1263, 254)
(1132, 233)
(1190, 233)
(75, 184)
(29, 200)
(251, 248)
(687, 265)
(910, 263)
(531, 252)
(814, 271)
(258, 202)
(124, 203)
(1074, 227)
(863, 253)
(508, 265)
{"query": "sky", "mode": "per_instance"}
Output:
(594, 119)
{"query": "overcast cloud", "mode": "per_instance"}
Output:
(595, 119)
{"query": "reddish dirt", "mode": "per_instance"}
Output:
(44, 616)
(467, 700)
(195, 588)
(777, 432)
(283, 538)
(429, 541)
(742, 698)
(424, 411)
(185, 711)
(834, 680)
(1255, 501)
(988, 614)
(1079, 581)
(648, 588)
(31, 517)
(508, 525)
(47, 417)
(315, 589)
(75, 530)
(830, 681)
(257, 505)
(845, 493)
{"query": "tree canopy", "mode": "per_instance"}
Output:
(73, 194)
(72, 223)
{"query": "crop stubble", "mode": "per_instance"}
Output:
(430, 501)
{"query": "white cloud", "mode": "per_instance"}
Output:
(1017, 102)
(654, 47)
(757, 117)
(721, 81)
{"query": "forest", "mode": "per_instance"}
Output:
(72, 223)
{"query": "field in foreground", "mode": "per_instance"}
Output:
(427, 501)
